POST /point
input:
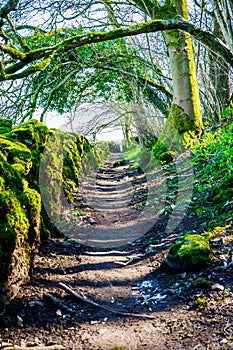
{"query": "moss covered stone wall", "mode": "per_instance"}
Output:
(24, 221)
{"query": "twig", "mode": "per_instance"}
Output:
(125, 263)
(52, 300)
(89, 301)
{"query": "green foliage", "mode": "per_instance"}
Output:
(105, 70)
(227, 114)
(5, 125)
(133, 153)
(114, 147)
(213, 165)
(78, 212)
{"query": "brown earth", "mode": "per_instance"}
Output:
(107, 259)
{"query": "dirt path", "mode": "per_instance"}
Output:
(187, 311)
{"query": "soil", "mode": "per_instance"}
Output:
(104, 258)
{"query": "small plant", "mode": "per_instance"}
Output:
(78, 212)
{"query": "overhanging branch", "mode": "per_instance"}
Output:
(205, 37)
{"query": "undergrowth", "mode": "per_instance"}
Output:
(212, 159)
(212, 162)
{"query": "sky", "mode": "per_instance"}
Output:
(85, 119)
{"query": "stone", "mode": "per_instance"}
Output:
(190, 253)
(218, 287)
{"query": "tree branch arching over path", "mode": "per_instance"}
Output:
(26, 62)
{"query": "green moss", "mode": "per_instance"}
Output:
(12, 179)
(16, 154)
(190, 253)
(31, 145)
(19, 228)
(13, 148)
(31, 202)
(5, 125)
(161, 152)
(3, 157)
(68, 187)
(4, 130)
(30, 133)
(180, 120)
(217, 231)
(14, 223)
(95, 157)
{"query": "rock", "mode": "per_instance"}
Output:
(190, 253)
(91, 221)
(58, 312)
(217, 287)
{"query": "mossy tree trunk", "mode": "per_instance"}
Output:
(183, 70)
(126, 129)
(182, 64)
(185, 84)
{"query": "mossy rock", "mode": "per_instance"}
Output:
(29, 141)
(95, 157)
(17, 154)
(167, 157)
(190, 253)
(30, 133)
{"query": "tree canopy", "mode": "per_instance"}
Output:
(58, 55)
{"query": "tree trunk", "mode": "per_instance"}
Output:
(183, 70)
